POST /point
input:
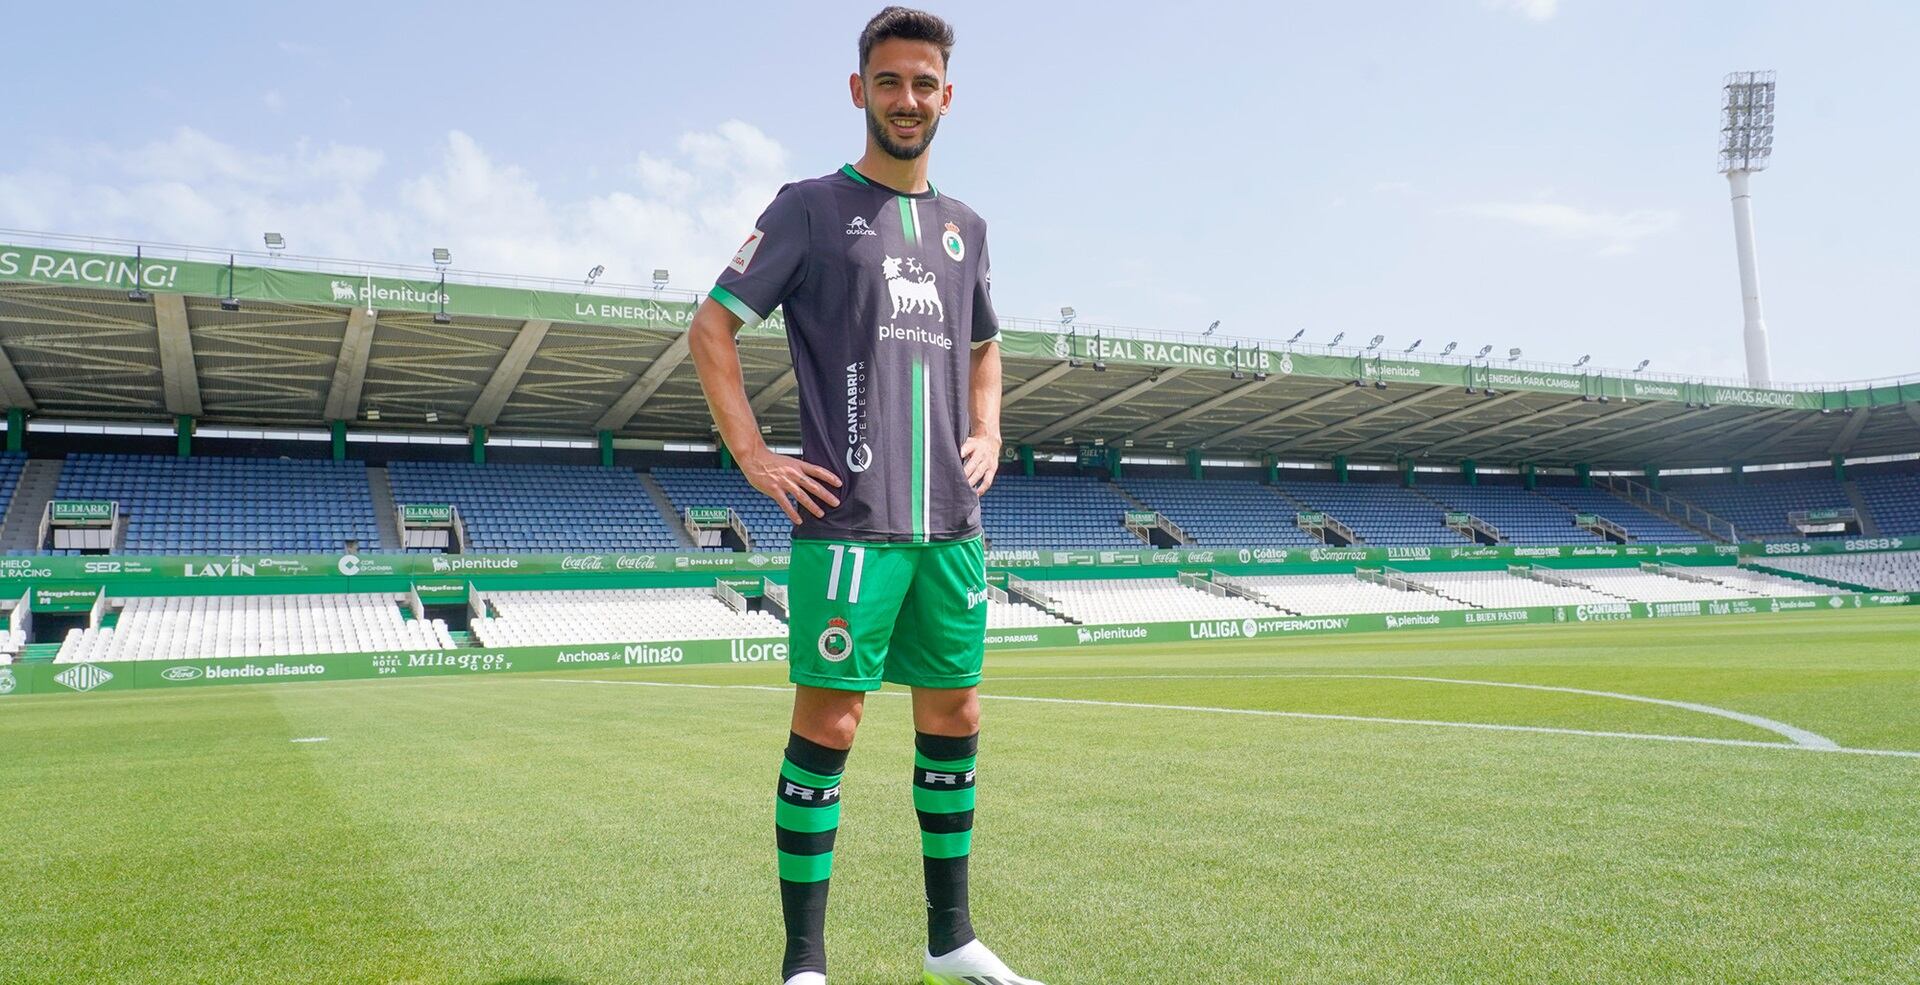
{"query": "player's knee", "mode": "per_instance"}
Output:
(829, 723)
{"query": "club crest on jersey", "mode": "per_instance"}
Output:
(952, 243)
(835, 641)
(857, 226)
(912, 288)
(744, 255)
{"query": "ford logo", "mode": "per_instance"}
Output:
(180, 673)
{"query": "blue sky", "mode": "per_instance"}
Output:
(1533, 173)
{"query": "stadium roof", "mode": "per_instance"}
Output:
(310, 341)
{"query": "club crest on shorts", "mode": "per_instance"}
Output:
(835, 641)
(952, 243)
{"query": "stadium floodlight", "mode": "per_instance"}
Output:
(137, 294)
(660, 277)
(373, 413)
(230, 303)
(1448, 350)
(441, 257)
(1296, 336)
(594, 274)
(1513, 353)
(441, 317)
(1644, 363)
(1582, 361)
(1066, 316)
(1746, 146)
(1484, 350)
(1211, 328)
(1415, 345)
(276, 243)
(433, 417)
(1375, 344)
(1337, 337)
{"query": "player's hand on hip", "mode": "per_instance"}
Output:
(980, 457)
(795, 484)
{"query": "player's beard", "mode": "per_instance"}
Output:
(877, 126)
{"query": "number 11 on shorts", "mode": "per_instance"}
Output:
(840, 551)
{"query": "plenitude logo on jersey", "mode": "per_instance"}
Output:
(914, 290)
(859, 452)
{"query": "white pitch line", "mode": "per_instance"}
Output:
(1799, 736)
(1312, 716)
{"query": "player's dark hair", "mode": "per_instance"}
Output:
(907, 24)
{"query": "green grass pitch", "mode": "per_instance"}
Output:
(547, 829)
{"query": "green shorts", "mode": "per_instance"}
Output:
(862, 613)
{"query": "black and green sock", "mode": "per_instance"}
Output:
(806, 818)
(943, 768)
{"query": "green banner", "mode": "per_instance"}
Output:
(1842, 545)
(1457, 519)
(1270, 557)
(1822, 516)
(426, 514)
(81, 512)
(73, 598)
(442, 592)
(1141, 518)
(1586, 519)
(42, 677)
(714, 516)
(1315, 519)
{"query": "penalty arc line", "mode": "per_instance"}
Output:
(1308, 715)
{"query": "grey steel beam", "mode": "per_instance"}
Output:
(1318, 400)
(1046, 376)
(1084, 414)
(350, 370)
(1384, 409)
(780, 387)
(1204, 406)
(1452, 415)
(643, 389)
(1844, 443)
(506, 376)
(178, 375)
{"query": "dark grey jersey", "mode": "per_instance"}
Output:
(885, 293)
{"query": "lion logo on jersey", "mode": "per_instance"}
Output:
(912, 296)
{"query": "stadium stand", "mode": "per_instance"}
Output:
(1015, 615)
(1643, 525)
(1500, 590)
(1893, 501)
(1320, 595)
(1055, 511)
(1228, 512)
(1763, 584)
(1759, 506)
(538, 508)
(11, 465)
(218, 505)
(173, 628)
(1635, 585)
(1099, 600)
(1521, 516)
(1897, 571)
(769, 528)
(1382, 515)
(568, 618)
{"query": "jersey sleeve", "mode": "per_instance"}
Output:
(986, 324)
(771, 263)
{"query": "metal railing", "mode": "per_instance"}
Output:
(1678, 510)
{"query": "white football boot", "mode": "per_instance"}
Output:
(973, 964)
(808, 978)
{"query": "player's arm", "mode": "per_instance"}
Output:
(787, 481)
(980, 453)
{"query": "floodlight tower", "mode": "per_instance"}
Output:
(1746, 146)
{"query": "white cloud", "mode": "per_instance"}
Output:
(1533, 10)
(685, 209)
(273, 100)
(1614, 233)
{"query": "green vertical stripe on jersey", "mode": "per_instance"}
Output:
(908, 227)
(918, 508)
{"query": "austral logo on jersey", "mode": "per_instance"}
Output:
(857, 226)
(859, 452)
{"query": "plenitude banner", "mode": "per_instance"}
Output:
(41, 265)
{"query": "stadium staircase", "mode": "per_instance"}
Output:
(385, 513)
(664, 503)
(1869, 527)
(1672, 509)
(39, 477)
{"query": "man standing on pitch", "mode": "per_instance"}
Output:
(884, 281)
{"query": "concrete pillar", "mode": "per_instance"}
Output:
(1026, 459)
(606, 448)
(1113, 461)
(1469, 472)
(339, 431)
(479, 442)
(16, 429)
(1739, 473)
(1339, 468)
(1584, 473)
(183, 433)
(726, 457)
(1193, 462)
(1273, 470)
(1529, 476)
(1652, 473)
(1839, 463)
